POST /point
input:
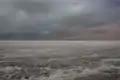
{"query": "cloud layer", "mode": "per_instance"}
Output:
(17, 13)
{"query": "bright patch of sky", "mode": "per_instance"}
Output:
(21, 15)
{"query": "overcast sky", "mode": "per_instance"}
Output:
(16, 13)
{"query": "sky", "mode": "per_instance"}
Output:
(17, 14)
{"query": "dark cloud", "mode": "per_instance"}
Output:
(94, 13)
(20, 13)
(33, 7)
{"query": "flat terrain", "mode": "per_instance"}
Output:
(55, 48)
(62, 60)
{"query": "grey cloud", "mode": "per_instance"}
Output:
(33, 7)
(62, 12)
(96, 12)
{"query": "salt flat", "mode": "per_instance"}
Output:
(54, 48)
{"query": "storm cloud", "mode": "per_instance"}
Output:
(18, 13)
